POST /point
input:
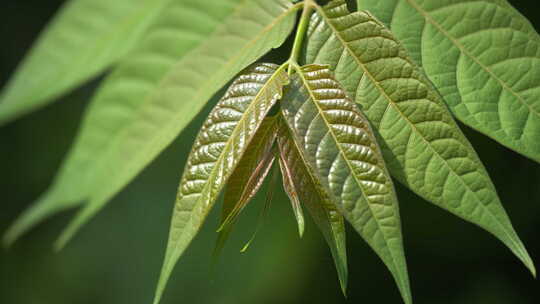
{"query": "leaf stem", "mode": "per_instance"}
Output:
(301, 33)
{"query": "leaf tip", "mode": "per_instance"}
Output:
(343, 289)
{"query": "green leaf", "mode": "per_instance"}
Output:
(422, 145)
(217, 151)
(152, 96)
(317, 202)
(483, 56)
(84, 38)
(341, 152)
(247, 178)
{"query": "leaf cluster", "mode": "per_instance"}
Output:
(366, 97)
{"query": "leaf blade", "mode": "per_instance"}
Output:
(61, 60)
(216, 152)
(246, 179)
(341, 151)
(324, 213)
(489, 75)
(423, 146)
(125, 128)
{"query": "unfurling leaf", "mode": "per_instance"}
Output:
(153, 95)
(340, 150)
(247, 178)
(84, 38)
(484, 58)
(316, 200)
(217, 150)
(422, 145)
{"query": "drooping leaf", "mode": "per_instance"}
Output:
(483, 56)
(268, 201)
(317, 202)
(218, 149)
(84, 38)
(292, 193)
(422, 145)
(340, 150)
(247, 178)
(152, 96)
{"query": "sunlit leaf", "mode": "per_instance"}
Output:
(247, 178)
(484, 58)
(422, 145)
(317, 202)
(340, 150)
(84, 38)
(152, 96)
(218, 149)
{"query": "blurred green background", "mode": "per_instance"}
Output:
(117, 257)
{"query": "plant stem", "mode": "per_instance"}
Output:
(301, 33)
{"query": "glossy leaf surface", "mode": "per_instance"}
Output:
(484, 58)
(145, 104)
(218, 149)
(422, 145)
(312, 195)
(83, 39)
(340, 149)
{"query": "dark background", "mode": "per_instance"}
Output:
(117, 257)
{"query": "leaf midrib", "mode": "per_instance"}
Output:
(462, 48)
(228, 145)
(343, 155)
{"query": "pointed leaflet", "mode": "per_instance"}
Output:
(483, 56)
(313, 196)
(169, 39)
(247, 178)
(84, 38)
(290, 189)
(218, 149)
(152, 96)
(341, 152)
(422, 144)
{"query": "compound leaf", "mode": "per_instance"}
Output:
(313, 196)
(217, 151)
(247, 178)
(84, 38)
(341, 151)
(152, 96)
(483, 56)
(422, 145)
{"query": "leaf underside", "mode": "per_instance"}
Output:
(311, 194)
(154, 94)
(247, 178)
(422, 145)
(218, 149)
(483, 56)
(61, 59)
(341, 152)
